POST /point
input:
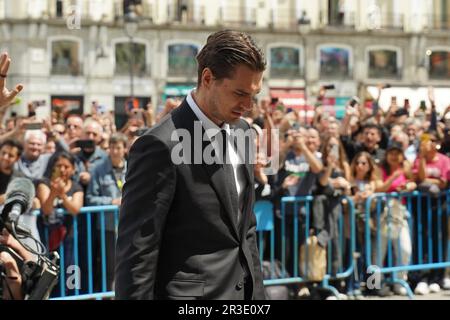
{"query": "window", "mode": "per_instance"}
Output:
(334, 62)
(59, 8)
(132, 5)
(65, 58)
(383, 64)
(182, 60)
(284, 62)
(439, 65)
(135, 56)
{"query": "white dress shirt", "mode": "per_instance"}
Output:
(212, 130)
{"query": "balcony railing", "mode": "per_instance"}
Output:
(333, 73)
(345, 20)
(234, 16)
(73, 69)
(185, 15)
(384, 74)
(286, 73)
(392, 21)
(438, 22)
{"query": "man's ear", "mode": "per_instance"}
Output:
(207, 78)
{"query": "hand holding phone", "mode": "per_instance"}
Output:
(56, 173)
(34, 126)
(85, 144)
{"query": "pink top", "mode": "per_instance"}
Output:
(439, 169)
(399, 182)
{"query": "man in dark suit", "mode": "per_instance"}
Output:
(186, 228)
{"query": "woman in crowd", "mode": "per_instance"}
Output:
(61, 192)
(431, 171)
(396, 176)
(364, 175)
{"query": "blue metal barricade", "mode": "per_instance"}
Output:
(85, 240)
(295, 238)
(410, 227)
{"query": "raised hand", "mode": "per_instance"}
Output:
(6, 96)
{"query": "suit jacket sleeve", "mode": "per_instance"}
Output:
(147, 196)
(258, 288)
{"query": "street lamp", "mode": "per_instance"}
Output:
(131, 27)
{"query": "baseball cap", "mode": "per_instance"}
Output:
(394, 145)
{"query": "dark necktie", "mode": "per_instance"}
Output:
(229, 174)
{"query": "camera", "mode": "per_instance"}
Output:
(34, 126)
(38, 278)
(85, 144)
(38, 103)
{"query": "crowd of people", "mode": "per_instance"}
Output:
(369, 151)
(81, 160)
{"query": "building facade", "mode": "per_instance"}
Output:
(73, 52)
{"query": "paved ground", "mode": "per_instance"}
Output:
(443, 295)
(320, 294)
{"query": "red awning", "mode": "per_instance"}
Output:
(294, 99)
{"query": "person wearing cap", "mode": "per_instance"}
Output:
(396, 176)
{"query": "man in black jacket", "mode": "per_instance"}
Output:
(187, 229)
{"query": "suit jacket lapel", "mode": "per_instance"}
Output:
(215, 172)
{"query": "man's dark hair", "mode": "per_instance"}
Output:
(371, 126)
(118, 138)
(64, 155)
(225, 50)
(13, 144)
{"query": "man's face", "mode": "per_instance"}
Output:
(74, 127)
(33, 148)
(59, 128)
(412, 132)
(333, 130)
(93, 131)
(313, 140)
(117, 151)
(229, 99)
(8, 156)
(371, 137)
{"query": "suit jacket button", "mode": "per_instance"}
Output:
(240, 285)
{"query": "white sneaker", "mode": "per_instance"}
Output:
(446, 284)
(333, 297)
(343, 296)
(434, 288)
(304, 292)
(400, 290)
(422, 289)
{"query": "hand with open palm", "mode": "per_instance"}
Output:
(6, 95)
